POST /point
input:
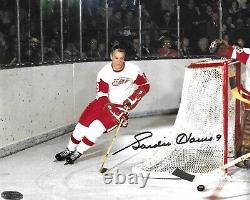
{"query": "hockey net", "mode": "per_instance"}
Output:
(206, 126)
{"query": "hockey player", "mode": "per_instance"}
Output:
(120, 85)
(223, 49)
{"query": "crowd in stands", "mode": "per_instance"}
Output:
(199, 25)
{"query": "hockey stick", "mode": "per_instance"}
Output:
(103, 169)
(193, 178)
(237, 95)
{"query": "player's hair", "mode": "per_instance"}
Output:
(117, 48)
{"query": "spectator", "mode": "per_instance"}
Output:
(114, 45)
(245, 13)
(241, 42)
(115, 23)
(234, 7)
(167, 49)
(3, 49)
(214, 4)
(12, 32)
(133, 52)
(51, 52)
(168, 21)
(247, 24)
(145, 16)
(132, 5)
(90, 7)
(241, 31)
(230, 26)
(123, 6)
(12, 52)
(7, 16)
(130, 22)
(92, 51)
(150, 28)
(33, 54)
(115, 19)
(116, 4)
(154, 8)
(203, 46)
(198, 19)
(224, 28)
(101, 15)
(191, 22)
(234, 10)
(212, 23)
(168, 5)
(229, 22)
(242, 4)
(71, 52)
(226, 38)
(101, 50)
(147, 47)
(130, 19)
(185, 49)
(239, 23)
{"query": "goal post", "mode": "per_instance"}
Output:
(207, 124)
(227, 67)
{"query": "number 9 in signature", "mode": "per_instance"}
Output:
(218, 137)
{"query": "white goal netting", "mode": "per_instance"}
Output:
(199, 134)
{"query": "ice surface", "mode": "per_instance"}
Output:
(34, 173)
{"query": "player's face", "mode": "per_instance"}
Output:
(118, 60)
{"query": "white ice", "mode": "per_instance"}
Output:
(33, 172)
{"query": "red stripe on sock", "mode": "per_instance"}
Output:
(87, 141)
(75, 141)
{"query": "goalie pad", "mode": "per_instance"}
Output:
(243, 143)
(117, 112)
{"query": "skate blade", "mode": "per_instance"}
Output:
(57, 160)
(68, 163)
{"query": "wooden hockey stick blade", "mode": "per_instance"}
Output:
(108, 170)
(103, 170)
(237, 95)
(237, 160)
(190, 177)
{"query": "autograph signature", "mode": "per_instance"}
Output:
(138, 145)
(182, 138)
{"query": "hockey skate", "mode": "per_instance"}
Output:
(72, 158)
(63, 155)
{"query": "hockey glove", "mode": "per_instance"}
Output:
(221, 48)
(132, 101)
(118, 113)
